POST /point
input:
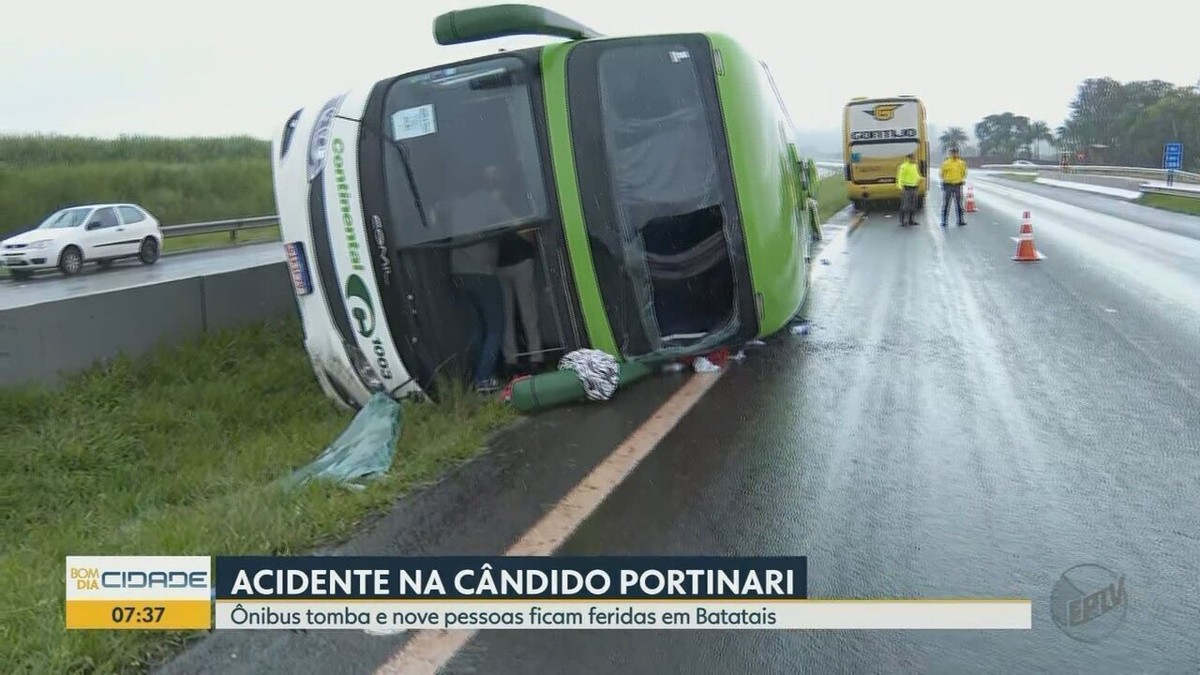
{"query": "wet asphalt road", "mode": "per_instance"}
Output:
(954, 425)
(53, 286)
(1188, 226)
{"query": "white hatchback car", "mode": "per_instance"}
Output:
(72, 236)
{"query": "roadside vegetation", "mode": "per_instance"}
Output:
(170, 454)
(1177, 203)
(219, 239)
(178, 180)
(832, 195)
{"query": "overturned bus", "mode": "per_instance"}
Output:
(657, 177)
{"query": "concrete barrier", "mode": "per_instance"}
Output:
(40, 343)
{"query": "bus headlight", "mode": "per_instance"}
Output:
(318, 143)
(362, 366)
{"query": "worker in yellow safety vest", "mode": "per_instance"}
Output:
(954, 174)
(908, 179)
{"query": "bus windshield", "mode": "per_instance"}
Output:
(869, 150)
(466, 153)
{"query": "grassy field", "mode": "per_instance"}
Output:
(1177, 203)
(171, 455)
(178, 180)
(23, 151)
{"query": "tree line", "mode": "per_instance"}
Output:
(1109, 122)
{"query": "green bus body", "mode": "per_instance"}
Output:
(771, 187)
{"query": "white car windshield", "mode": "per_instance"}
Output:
(65, 218)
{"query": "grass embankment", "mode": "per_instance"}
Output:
(177, 454)
(1176, 203)
(215, 239)
(831, 195)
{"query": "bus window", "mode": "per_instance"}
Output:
(890, 150)
(657, 206)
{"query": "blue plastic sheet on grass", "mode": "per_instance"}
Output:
(363, 451)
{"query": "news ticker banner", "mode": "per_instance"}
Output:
(392, 594)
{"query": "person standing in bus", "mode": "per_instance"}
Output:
(953, 174)
(908, 179)
(475, 268)
(517, 253)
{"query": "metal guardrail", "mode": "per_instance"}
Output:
(1189, 191)
(232, 226)
(1133, 171)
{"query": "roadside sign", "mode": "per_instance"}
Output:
(1173, 156)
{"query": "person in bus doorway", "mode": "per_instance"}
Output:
(517, 253)
(908, 179)
(475, 268)
(953, 174)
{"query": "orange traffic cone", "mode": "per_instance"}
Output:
(971, 200)
(1026, 251)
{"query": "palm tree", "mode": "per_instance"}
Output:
(1022, 138)
(1038, 132)
(952, 137)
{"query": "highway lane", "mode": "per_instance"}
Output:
(45, 288)
(955, 425)
(1122, 209)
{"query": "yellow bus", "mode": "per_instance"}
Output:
(876, 135)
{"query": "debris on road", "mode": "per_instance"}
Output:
(597, 372)
(801, 328)
(590, 382)
(364, 450)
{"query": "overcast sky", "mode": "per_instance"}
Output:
(241, 66)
